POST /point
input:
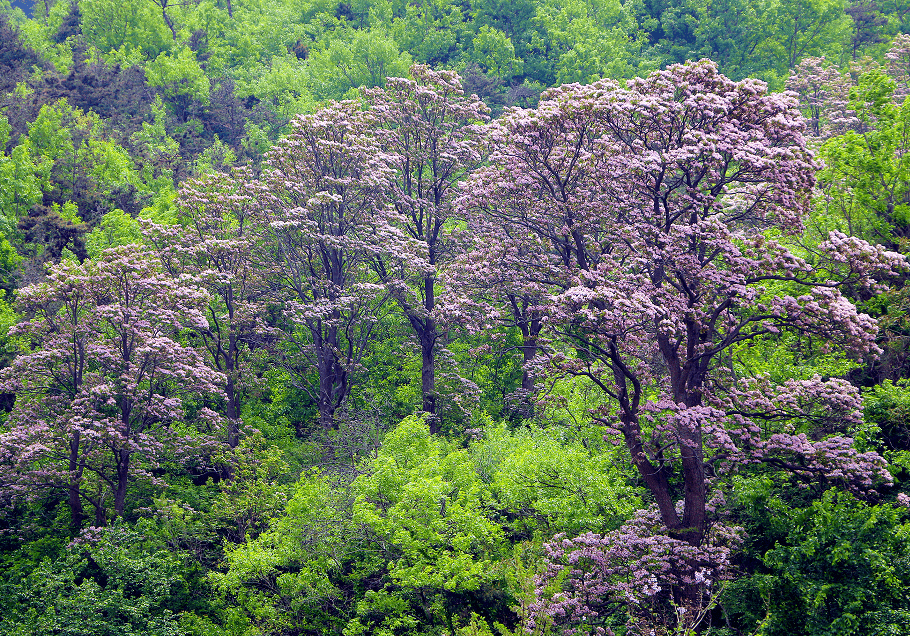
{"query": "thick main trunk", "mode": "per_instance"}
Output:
(528, 352)
(692, 525)
(74, 497)
(428, 336)
(333, 374)
(100, 514)
(327, 388)
(655, 477)
(530, 326)
(428, 368)
(232, 411)
(123, 472)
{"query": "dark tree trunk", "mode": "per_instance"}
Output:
(167, 19)
(333, 376)
(428, 374)
(74, 496)
(123, 473)
(232, 410)
(428, 337)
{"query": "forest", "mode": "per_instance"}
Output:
(454, 317)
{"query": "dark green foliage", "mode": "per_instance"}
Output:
(113, 584)
(16, 60)
(838, 566)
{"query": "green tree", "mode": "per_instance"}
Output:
(799, 28)
(181, 79)
(732, 32)
(21, 179)
(354, 59)
(493, 51)
(838, 566)
(112, 25)
(433, 31)
(427, 533)
(584, 41)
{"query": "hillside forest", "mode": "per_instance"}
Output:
(454, 318)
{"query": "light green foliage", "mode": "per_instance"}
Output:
(800, 28)
(158, 152)
(261, 29)
(9, 345)
(570, 402)
(287, 570)
(283, 82)
(116, 228)
(429, 524)
(216, 158)
(785, 357)
(68, 145)
(355, 58)
(21, 180)
(493, 51)
(429, 503)
(179, 75)
(554, 482)
(67, 212)
(116, 27)
(867, 174)
(38, 35)
(433, 31)
(587, 39)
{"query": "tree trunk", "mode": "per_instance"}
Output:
(167, 20)
(123, 473)
(428, 338)
(232, 411)
(100, 514)
(528, 352)
(74, 497)
(428, 367)
(332, 376)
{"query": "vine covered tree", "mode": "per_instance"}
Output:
(661, 214)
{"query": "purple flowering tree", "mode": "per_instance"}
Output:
(213, 244)
(824, 97)
(432, 135)
(487, 288)
(326, 220)
(101, 382)
(897, 61)
(661, 216)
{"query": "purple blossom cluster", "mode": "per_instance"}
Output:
(103, 381)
